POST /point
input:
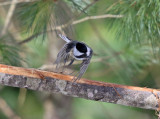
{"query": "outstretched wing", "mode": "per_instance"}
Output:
(83, 68)
(65, 38)
(64, 54)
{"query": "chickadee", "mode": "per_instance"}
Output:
(74, 50)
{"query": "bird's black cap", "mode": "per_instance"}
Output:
(81, 47)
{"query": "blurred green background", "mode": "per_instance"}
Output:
(125, 45)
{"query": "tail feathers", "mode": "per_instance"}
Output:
(65, 38)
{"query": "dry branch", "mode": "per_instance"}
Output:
(9, 16)
(5, 108)
(96, 17)
(92, 90)
(18, 1)
(73, 23)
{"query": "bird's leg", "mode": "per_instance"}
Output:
(65, 60)
(71, 62)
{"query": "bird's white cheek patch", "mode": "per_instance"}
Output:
(76, 52)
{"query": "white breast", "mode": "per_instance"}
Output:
(88, 51)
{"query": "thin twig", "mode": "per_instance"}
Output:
(12, 29)
(74, 23)
(9, 16)
(86, 19)
(96, 17)
(4, 107)
(49, 109)
(61, 26)
(110, 7)
(19, 1)
(30, 38)
(50, 67)
(22, 97)
(76, 16)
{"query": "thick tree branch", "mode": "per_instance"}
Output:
(92, 90)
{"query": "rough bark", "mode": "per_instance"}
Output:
(92, 90)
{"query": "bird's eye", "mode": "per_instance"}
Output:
(81, 47)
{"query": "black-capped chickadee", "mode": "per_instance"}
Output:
(74, 50)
